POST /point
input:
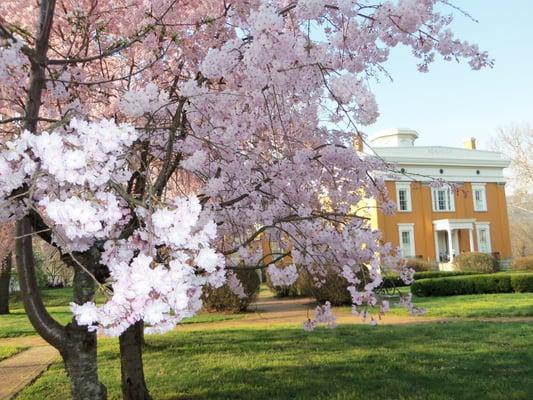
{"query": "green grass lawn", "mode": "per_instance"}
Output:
(451, 360)
(57, 303)
(9, 351)
(51, 298)
(475, 305)
(17, 324)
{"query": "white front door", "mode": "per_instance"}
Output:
(442, 238)
(455, 242)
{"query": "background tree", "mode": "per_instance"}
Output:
(521, 223)
(7, 244)
(55, 272)
(516, 142)
(152, 143)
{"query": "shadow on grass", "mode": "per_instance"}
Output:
(456, 360)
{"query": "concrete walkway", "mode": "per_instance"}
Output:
(272, 311)
(23, 368)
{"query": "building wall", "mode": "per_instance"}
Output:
(423, 216)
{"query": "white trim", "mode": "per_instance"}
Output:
(443, 156)
(407, 187)
(410, 228)
(449, 173)
(396, 137)
(483, 226)
(479, 187)
(447, 224)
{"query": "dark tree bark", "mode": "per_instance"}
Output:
(5, 278)
(133, 382)
(79, 352)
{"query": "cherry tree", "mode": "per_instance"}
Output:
(152, 142)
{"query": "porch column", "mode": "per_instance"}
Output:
(437, 254)
(450, 244)
(471, 238)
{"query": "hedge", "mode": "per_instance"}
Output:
(390, 281)
(476, 262)
(522, 264)
(223, 298)
(420, 265)
(474, 284)
(522, 282)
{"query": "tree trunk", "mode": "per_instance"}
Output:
(75, 343)
(5, 278)
(133, 383)
(79, 353)
(79, 356)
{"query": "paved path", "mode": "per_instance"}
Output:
(271, 311)
(23, 368)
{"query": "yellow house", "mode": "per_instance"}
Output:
(438, 223)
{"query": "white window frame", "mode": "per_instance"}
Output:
(479, 187)
(410, 228)
(449, 199)
(406, 186)
(483, 226)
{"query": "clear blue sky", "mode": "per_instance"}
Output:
(452, 102)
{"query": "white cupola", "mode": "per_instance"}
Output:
(395, 137)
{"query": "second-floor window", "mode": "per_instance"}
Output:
(479, 196)
(403, 196)
(443, 199)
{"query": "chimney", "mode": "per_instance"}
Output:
(358, 143)
(470, 143)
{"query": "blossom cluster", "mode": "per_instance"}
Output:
(407, 302)
(323, 315)
(70, 177)
(284, 276)
(160, 294)
(68, 172)
(13, 72)
(148, 100)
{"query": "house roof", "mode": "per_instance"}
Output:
(441, 156)
(426, 163)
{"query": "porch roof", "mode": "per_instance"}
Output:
(451, 224)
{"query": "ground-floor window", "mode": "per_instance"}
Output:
(483, 238)
(407, 240)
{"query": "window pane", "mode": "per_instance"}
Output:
(406, 239)
(442, 200)
(402, 199)
(479, 200)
